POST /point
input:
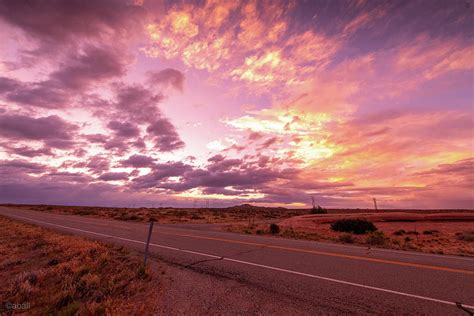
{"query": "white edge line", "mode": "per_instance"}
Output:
(255, 264)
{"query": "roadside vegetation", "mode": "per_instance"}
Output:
(67, 275)
(363, 232)
(239, 213)
(318, 210)
(355, 226)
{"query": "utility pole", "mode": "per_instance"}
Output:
(375, 204)
(207, 203)
(313, 202)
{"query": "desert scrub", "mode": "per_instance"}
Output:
(376, 238)
(67, 275)
(346, 238)
(318, 210)
(355, 226)
(430, 232)
(274, 228)
(400, 232)
(466, 236)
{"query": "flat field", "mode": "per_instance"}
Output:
(46, 272)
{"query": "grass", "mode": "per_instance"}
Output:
(171, 215)
(376, 238)
(466, 236)
(346, 238)
(68, 275)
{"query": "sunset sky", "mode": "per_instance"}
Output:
(167, 102)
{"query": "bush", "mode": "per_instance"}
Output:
(466, 236)
(399, 232)
(347, 238)
(318, 210)
(356, 226)
(274, 229)
(430, 232)
(413, 232)
(376, 238)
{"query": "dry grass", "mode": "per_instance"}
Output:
(68, 275)
(241, 213)
(440, 237)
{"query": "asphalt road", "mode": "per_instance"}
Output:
(214, 272)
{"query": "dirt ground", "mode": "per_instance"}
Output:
(442, 233)
(48, 273)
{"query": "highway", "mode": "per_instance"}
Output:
(217, 272)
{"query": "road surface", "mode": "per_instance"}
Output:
(216, 272)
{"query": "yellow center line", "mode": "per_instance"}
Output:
(330, 254)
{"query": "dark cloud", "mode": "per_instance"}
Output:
(165, 135)
(14, 167)
(216, 158)
(137, 103)
(7, 84)
(160, 172)
(52, 129)
(95, 64)
(56, 23)
(463, 167)
(138, 161)
(27, 151)
(68, 177)
(77, 74)
(97, 138)
(169, 76)
(219, 174)
(125, 129)
(114, 176)
(98, 164)
(223, 164)
(46, 94)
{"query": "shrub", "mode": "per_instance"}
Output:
(430, 232)
(399, 232)
(274, 228)
(413, 232)
(260, 232)
(347, 238)
(408, 239)
(318, 210)
(356, 226)
(466, 236)
(376, 238)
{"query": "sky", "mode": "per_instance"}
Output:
(172, 103)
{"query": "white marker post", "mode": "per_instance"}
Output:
(148, 241)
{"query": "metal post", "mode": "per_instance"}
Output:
(148, 241)
(375, 204)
